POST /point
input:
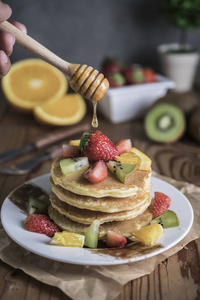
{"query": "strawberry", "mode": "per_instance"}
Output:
(111, 65)
(149, 75)
(134, 75)
(115, 240)
(97, 172)
(116, 79)
(41, 224)
(96, 146)
(69, 151)
(160, 204)
(123, 145)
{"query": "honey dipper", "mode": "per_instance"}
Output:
(83, 79)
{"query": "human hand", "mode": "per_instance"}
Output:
(7, 40)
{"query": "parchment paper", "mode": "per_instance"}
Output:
(95, 282)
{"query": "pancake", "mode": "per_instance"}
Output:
(111, 186)
(124, 228)
(104, 204)
(85, 216)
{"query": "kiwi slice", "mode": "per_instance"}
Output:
(120, 169)
(36, 206)
(165, 123)
(71, 165)
(92, 234)
(168, 219)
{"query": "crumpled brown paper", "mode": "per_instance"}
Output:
(95, 282)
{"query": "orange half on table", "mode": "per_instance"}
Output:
(67, 110)
(31, 82)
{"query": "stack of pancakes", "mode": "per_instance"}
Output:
(120, 207)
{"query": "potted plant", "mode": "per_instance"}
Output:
(179, 61)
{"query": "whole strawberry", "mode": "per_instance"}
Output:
(134, 75)
(96, 146)
(116, 79)
(111, 65)
(40, 224)
(149, 75)
(160, 204)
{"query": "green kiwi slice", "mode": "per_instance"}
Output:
(91, 235)
(120, 169)
(71, 165)
(36, 206)
(164, 123)
(168, 219)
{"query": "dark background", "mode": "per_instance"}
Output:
(86, 31)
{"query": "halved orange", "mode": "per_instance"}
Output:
(67, 110)
(135, 156)
(31, 82)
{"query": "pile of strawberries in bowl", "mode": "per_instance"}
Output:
(119, 74)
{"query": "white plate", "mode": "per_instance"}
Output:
(12, 220)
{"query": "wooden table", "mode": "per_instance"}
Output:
(176, 278)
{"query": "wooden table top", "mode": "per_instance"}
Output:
(178, 277)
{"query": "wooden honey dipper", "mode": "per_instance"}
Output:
(83, 79)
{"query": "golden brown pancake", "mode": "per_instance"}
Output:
(111, 186)
(86, 216)
(104, 204)
(124, 228)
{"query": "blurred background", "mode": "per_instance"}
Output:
(86, 31)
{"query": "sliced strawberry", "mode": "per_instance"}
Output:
(69, 151)
(96, 146)
(123, 145)
(160, 204)
(115, 240)
(97, 172)
(41, 224)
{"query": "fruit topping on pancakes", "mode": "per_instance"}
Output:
(97, 172)
(120, 169)
(115, 240)
(41, 224)
(148, 235)
(68, 239)
(160, 204)
(96, 146)
(123, 145)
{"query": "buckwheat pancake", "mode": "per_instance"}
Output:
(124, 228)
(76, 183)
(85, 216)
(103, 204)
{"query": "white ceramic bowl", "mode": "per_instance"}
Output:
(131, 102)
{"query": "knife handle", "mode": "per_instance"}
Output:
(60, 135)
(16, 152)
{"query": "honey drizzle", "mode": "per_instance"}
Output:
(95, 123)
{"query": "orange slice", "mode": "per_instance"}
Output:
(74, 142)
(148, 235)
(135, 156)
(31, 82)
(68, 110)
(68, 239)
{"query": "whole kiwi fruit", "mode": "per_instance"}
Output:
(194, 124)
(165, 123)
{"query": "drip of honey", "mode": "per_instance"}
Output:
(94, 119)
